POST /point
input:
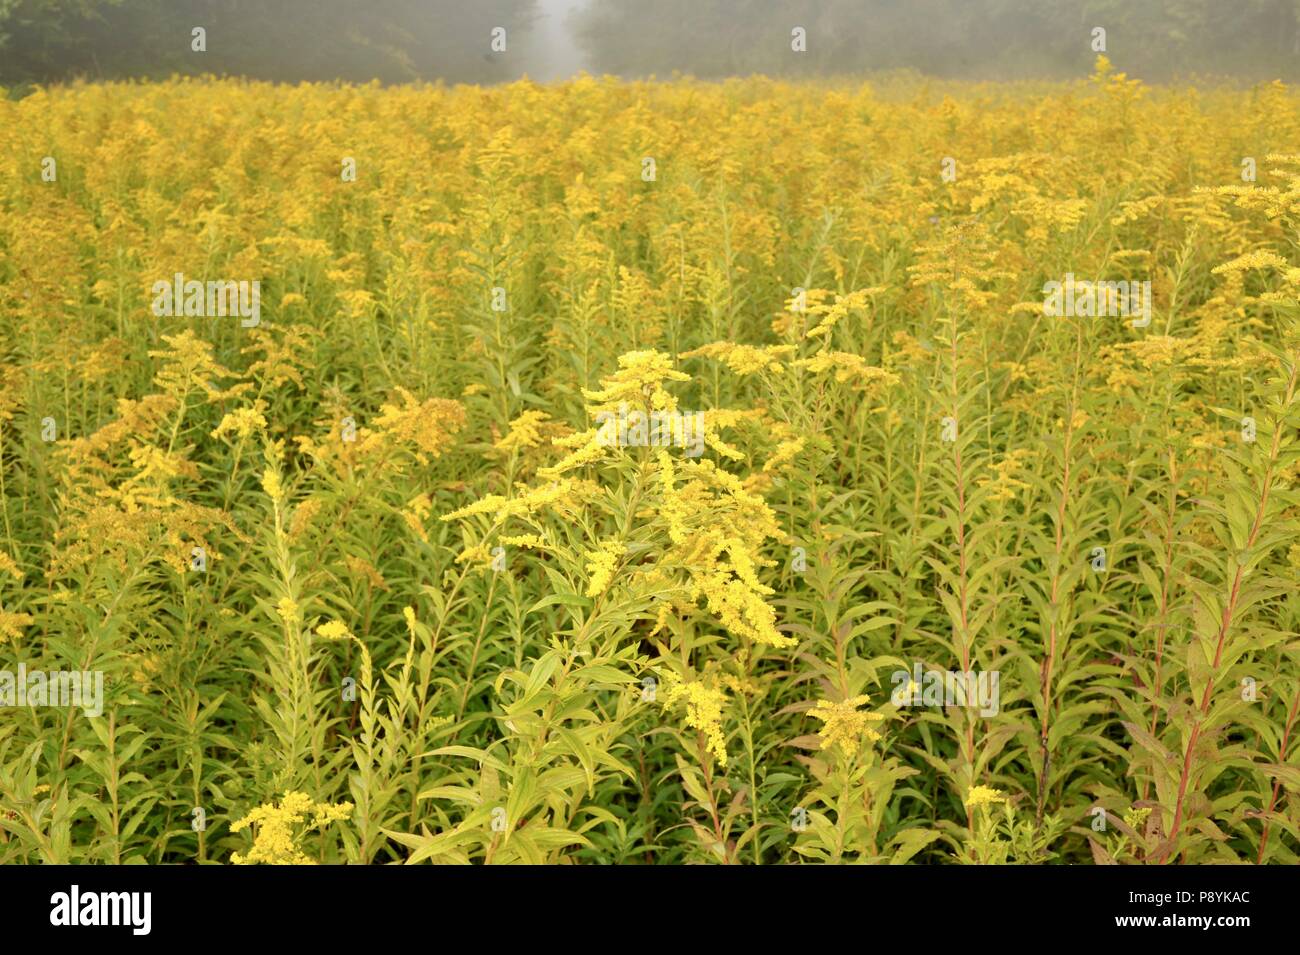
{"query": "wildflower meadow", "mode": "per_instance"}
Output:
(650, 471)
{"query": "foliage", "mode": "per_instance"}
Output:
(445, 613)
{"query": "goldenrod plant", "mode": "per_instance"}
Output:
(650, 472)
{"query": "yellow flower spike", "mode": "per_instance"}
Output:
(984, 796)
(429, 425)
(848, 368)
(243, 422)
(704, 705)
(638, 381)
(303, 516)
(279, 829)
(334, 630)
(601, 564)
(289, 610)
(10, 566)
(272, 485)
(844, 305)
(13, 624)
(531, 429)
(845, 724)
(745, 360)
(1257, 259)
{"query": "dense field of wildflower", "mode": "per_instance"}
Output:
(630, 472)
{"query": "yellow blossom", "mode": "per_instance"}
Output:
(243, 422)
(704, 705)
(845, 725)
(288, 610)
(983, 796)
(278, 830)
(601, 564)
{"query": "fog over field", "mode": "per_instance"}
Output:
(490, 41)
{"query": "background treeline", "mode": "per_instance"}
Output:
(285, 40)
(400, 40)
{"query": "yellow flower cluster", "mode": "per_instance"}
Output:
(9, 566)
(531, 429)
(276, 832)
(745, 359)
(427, 424)
(984, 796)
(424, 428)
(243, 422)
(562, 496)
(638, 382)
(1003, 480)
(13, 624)
(601, 564)
(844, 305)
(704, 703)
(717, 529)
(848, 368)
(845, 725)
